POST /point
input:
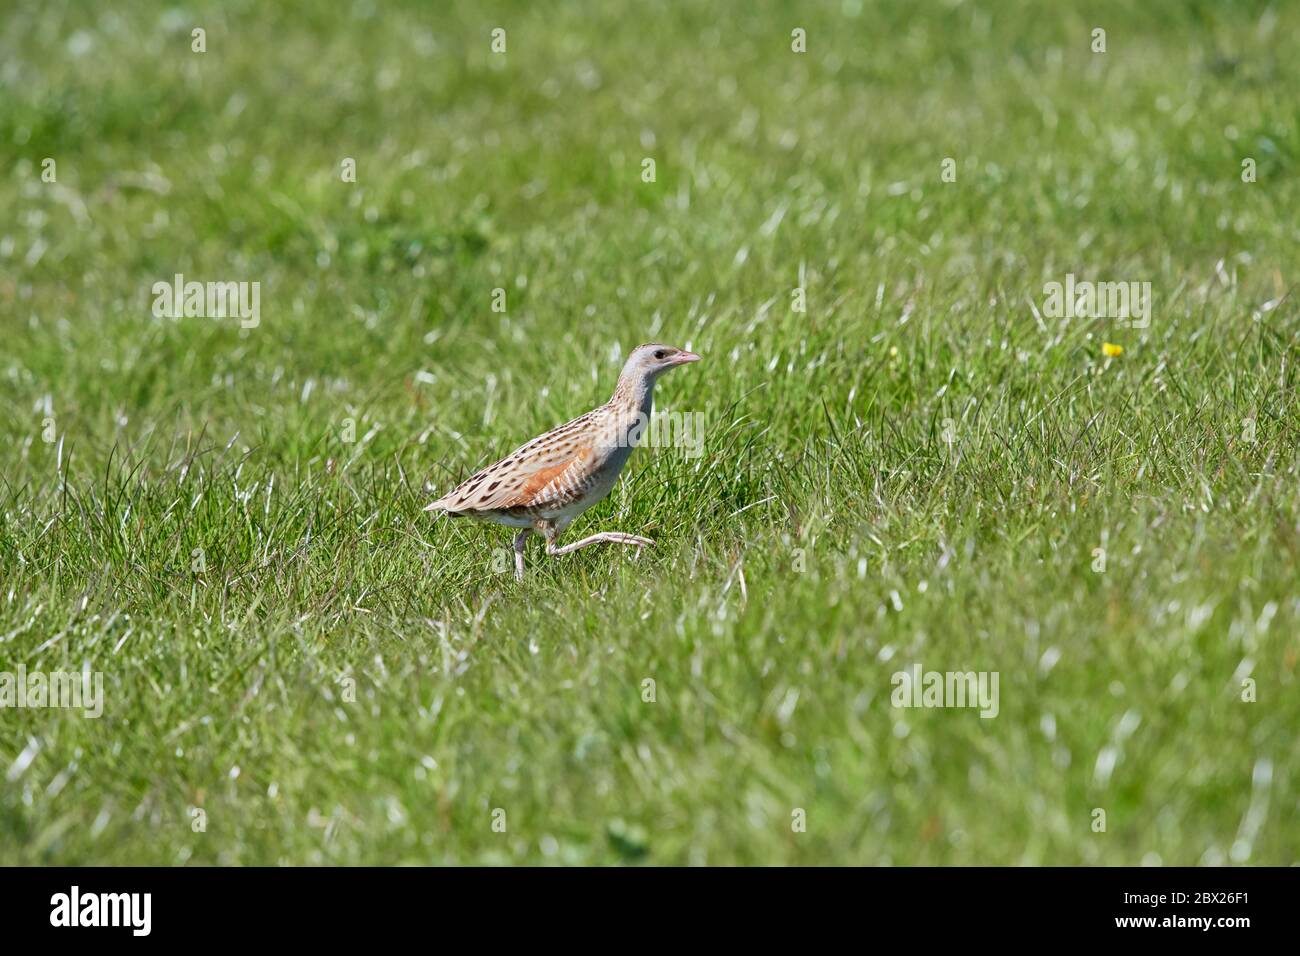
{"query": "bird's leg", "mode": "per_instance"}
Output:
(614, 537)
(520, 538)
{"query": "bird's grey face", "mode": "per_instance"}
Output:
(654, 360)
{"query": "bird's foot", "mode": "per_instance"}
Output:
(637, 542)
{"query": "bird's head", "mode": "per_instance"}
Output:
(652, 360)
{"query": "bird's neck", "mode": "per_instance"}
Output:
(634, 393)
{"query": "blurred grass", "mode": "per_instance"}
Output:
(225, 689)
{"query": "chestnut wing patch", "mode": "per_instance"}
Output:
(551, 468)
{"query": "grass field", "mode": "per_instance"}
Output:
(923, 467)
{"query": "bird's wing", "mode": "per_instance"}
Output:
(545, 470)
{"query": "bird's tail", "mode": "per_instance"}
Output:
(444, 506)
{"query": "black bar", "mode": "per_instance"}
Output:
(333, 906)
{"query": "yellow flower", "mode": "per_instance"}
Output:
(1111, 350)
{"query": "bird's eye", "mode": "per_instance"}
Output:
(659, 353)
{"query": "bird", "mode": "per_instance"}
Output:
(544, 484)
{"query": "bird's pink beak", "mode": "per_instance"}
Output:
(685, 358)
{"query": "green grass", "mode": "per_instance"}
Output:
(227, 689)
